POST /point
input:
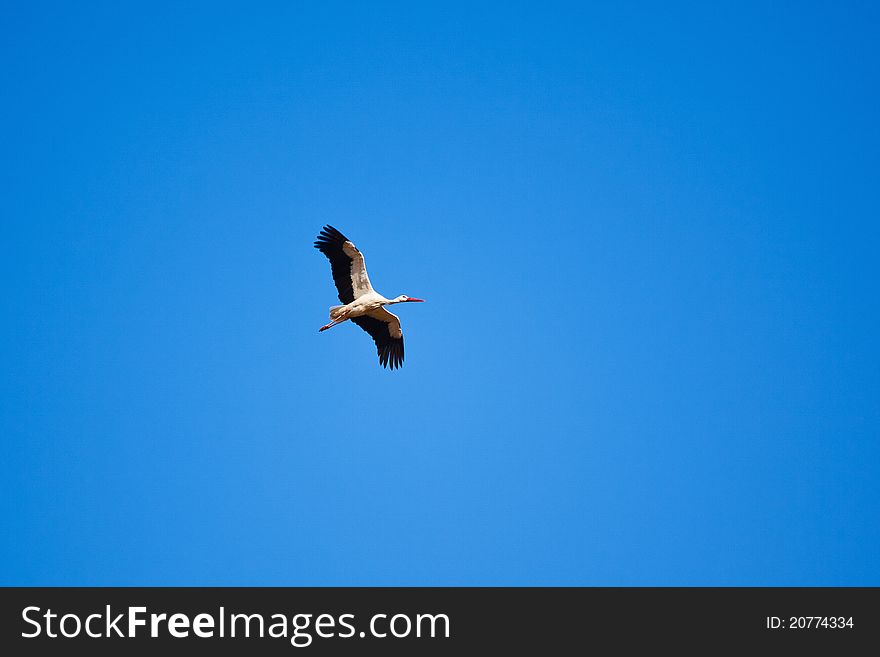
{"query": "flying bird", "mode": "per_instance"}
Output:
(361, 303)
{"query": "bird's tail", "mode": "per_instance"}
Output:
(335, 312)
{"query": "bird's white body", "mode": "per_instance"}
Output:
(361, 303)
(372, 303)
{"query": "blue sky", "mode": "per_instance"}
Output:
(648, 238)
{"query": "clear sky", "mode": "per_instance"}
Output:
(648, 238)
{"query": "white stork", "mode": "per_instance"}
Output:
(361, 303)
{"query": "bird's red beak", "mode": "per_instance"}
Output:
(412, 299)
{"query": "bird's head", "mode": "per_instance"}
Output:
(403, 298)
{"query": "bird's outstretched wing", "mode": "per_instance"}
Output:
(346, 263)
(384, 328)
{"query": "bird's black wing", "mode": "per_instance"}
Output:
(330, 242)
(390, 348)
